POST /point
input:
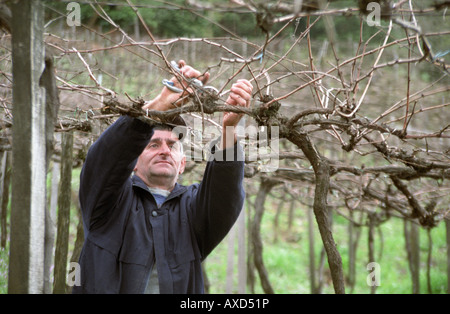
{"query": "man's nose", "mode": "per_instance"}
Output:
(164, 149)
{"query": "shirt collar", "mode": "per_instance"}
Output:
(177, 190)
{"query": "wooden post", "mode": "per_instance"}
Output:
(26, 264)
(65, 193)
(6, 178)
(238, 231)
(230, 260)
(50, 228)
(242, 253)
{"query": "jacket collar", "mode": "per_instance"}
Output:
(177, 190)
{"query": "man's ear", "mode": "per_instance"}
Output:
(135, 166)
(182, 165)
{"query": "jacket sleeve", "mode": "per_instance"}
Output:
(108, 166)
(219, 198)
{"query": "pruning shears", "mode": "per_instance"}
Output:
(196, 83)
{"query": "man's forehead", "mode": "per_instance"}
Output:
(160, 135)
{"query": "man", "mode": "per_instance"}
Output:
(146, 233)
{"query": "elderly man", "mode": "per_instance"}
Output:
(146, 233)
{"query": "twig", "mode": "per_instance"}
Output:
(91, 75)
(370, 77)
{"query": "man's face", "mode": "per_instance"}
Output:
(162, 160)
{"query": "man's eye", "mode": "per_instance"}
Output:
(175, 146)
(154, 145)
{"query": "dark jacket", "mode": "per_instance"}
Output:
(125, 231)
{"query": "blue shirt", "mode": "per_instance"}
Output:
(160, 195)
